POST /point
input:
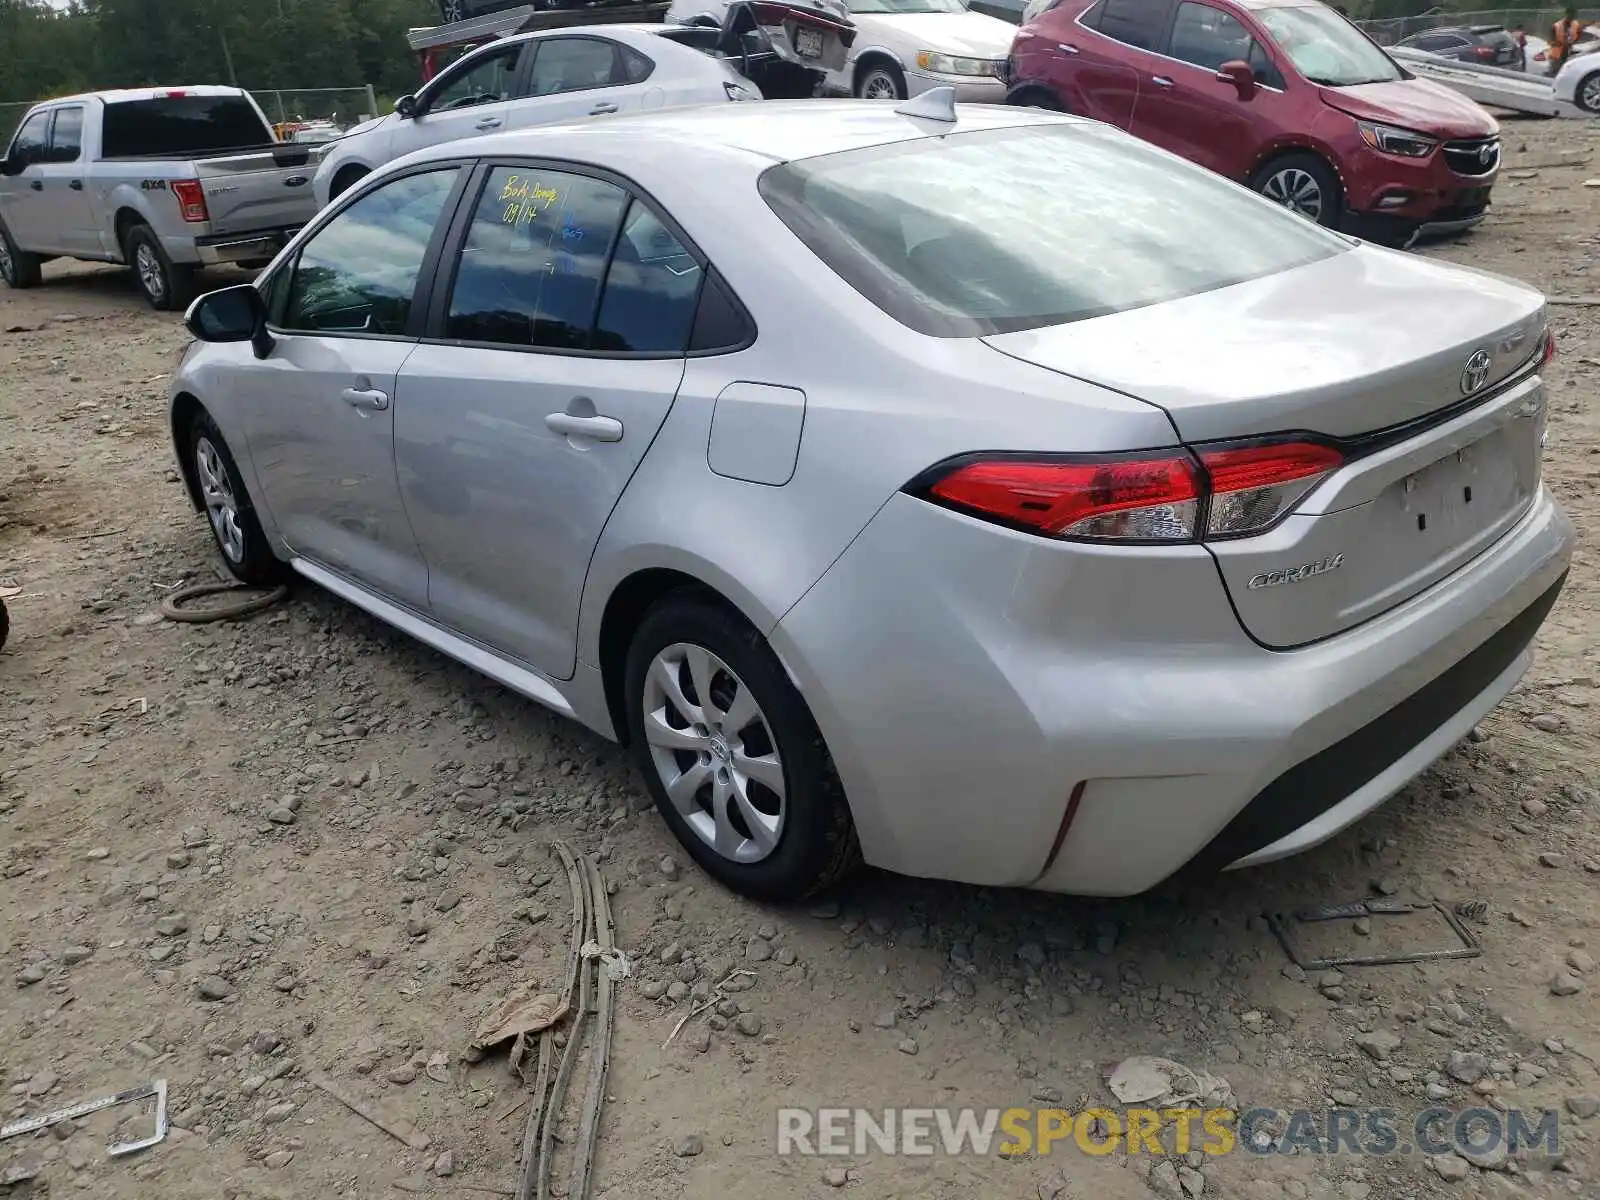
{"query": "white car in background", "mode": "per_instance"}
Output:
(535, 79)
(904, 47)
(1578, 81)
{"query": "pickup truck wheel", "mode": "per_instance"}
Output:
(17, 267)
(167, 286)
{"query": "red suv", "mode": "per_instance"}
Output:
(1284, 95)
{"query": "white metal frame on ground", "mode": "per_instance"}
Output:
(1494, 86)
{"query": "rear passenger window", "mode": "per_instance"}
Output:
(651, 288)
(533, 259)
(1137, 23)
(66, 135)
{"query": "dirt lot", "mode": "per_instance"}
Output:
(403, 882)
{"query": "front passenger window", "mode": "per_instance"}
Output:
(358, 273)
(489, 80)
(1208, 37)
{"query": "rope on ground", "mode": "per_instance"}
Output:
(253, 601)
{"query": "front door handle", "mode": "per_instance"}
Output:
(369, 399)
(490, 123)
(1161, 81)
(605, 106)
(37, 185)
(600, 429)
(76, 185)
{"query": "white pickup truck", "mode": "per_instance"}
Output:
(166, 180)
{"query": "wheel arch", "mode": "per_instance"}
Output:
(185, 408)
(874, 56)
(625, 607)
(352, 173)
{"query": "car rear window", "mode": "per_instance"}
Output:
(1001, 230)
(181, 127)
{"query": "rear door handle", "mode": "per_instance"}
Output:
(601, 429)
(605, 106)
(1066, 47)
(369, 399)
(1161, 81)
(490, 123)
(37, 185)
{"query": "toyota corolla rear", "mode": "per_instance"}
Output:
(1044, 663)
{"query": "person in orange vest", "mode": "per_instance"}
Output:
(1564, 35)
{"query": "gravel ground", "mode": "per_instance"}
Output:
(232, 855)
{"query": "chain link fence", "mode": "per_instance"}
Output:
(317, 109)
(1535, 21)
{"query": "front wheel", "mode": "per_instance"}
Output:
(18, 268)
(1587, 93)
(1302, 183)
(731, 754)
(234, 524)
(881, 82)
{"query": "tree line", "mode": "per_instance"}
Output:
(258, 44)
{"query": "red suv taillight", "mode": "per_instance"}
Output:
(191, 199)
(1165, 496)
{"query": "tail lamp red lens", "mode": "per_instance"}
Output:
(1549, 348)
(1168, 496)
(191, 199)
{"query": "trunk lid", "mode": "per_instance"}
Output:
(252, 190)
(1370, 348)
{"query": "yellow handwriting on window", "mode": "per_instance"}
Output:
(524, 199)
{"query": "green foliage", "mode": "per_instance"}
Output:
(259, 44)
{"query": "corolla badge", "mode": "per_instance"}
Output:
(1271, 579)
(1476, 373)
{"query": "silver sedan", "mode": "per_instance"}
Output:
(981, 493)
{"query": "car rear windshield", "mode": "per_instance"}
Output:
(1001, 230)
(181, 127)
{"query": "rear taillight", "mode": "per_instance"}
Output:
(1549, 353)
(1165, 496)
(1252, 487)
(1485, 52)
(191, 199)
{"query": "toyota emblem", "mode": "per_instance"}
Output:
(1476, 373)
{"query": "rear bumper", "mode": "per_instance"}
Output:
(968, 680)
(219, 249)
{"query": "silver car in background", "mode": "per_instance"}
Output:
(1164, 530)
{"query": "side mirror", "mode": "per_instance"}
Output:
(406, 106)
(235, 314)
(12, 165)
(1240, 76)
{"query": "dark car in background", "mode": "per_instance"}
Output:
(1490, 45)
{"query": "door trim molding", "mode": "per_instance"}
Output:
(519, 679)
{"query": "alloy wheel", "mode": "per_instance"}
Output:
(222, 509)
(879, 85)
(713, 749)
(1589, 93)
(455, 10)
(1296, 190)
(151, 277)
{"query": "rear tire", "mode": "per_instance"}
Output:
(1587, 93)
(234, 525)
(722, 749)
(1303, 183)
(18, 268)
(167, 286)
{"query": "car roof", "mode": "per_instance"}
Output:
(769, 131)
